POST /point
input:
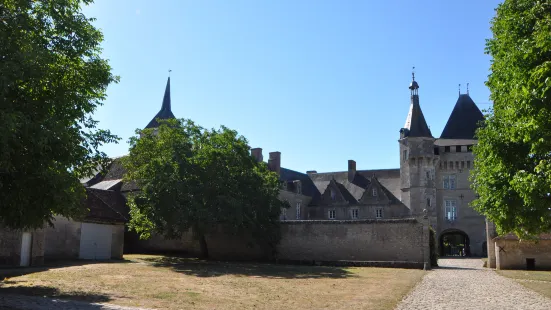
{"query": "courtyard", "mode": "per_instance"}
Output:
(169, 282)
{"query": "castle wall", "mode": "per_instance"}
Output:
(404, 240)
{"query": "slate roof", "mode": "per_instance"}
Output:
(166, 111)
(353, 191)
(463, 120)
(415, 121)
(105, 206)
(308, 187)
(107, 185)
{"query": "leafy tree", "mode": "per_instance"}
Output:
(52, 79)
(512, 172)
(200, 180)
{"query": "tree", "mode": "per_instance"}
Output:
(51, 81)
(512, 171)
(200, 180)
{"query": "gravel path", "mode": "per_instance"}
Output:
(19, 302)
(465, 284)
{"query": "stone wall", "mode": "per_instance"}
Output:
(63, 239)
(117, 242)
(400, 240)
(364, 240)
(512, 254)
(10, 247)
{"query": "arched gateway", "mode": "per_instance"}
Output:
(454, 242)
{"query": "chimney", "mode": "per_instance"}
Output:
(257, 154)
(274, 162)
(351, 170)
(311, 172)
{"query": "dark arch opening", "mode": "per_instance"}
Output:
(454, 242)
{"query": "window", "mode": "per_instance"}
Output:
(379, 213)
(333, 194)
(298, 210)
(451, 164)
(355, 213)
(332, 214)
(374, 192)
(462, 165)
(299, 187)
(458, 148)
(430, 174)
(447, 149)
(468, 165)
(449, 181)
(428, 202)
(284, 214)
(451, 210)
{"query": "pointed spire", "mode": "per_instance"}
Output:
(166, 98)
(415, 122)
(464, 119)
(166, 110)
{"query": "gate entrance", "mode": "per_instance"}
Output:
(454, 242)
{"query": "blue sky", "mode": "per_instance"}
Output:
(320, 81)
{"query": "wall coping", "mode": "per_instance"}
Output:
(365, 221)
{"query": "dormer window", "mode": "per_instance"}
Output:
(374, 192)
(298, 185)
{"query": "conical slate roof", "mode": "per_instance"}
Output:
(464, 119)
(415, 122)
(165, 112)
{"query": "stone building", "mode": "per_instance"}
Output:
(432, 180)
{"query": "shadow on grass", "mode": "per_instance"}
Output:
(10, 272)
(44, 291)
(203, 268)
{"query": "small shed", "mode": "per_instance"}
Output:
(98, 236)
(513, 253)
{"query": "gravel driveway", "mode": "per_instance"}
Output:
(465, 284)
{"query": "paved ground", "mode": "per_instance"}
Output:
(18, 302)
(465, 284)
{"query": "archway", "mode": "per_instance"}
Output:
(454, 242)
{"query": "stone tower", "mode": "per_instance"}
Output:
(417, 160)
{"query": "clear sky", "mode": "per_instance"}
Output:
(320, 81)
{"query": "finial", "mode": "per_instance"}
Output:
(413, 73)
(459, 89)
(467, 88)
(169, 72)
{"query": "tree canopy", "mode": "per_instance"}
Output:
(200, 180)
(512, 171)
(52, 79)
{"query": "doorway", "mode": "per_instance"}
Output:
(26, 244)
(454, 242)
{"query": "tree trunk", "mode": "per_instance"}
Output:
(204, 248)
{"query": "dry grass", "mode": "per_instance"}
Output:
(174, 283)
(539, 281)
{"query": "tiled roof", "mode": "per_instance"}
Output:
(166, 111)
(415, 121)
(388, 178)
(107, 206)
(464, 119)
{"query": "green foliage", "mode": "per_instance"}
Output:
(203, 180)
(512, 171)
(52, 79)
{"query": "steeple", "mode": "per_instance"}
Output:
(415, 126)
(165, 112)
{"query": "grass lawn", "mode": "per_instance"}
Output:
(539, 281)
(176, 283)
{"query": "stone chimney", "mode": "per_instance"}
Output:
(351, 170)
(257, 154)
(274, 162)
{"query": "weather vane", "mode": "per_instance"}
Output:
(413, 73)
(169, 72)
(467, 88)
(460, 89)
